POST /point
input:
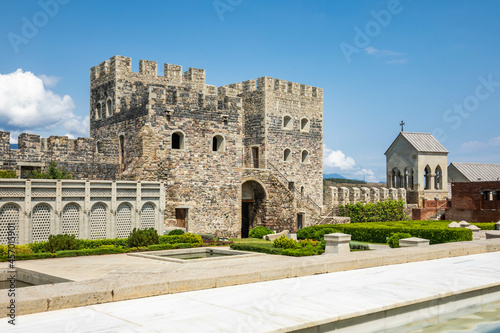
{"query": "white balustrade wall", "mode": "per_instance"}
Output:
(92, 209)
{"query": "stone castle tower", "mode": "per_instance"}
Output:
(232, 157)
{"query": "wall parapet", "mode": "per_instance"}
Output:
(335, 196)
(270, 84)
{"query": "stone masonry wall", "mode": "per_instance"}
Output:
(147, 110)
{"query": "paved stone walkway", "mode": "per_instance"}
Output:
(289, 304)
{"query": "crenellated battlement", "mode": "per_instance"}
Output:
(53, 145)
(119, 66)
(270, 84)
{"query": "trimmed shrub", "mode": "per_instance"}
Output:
(167, 239)
(259, 232)
(208, 238)
(284, 243)
(359, 246)
(18, 249)
(37, 247)
(176, 232)
(394, 238)
(255, 248)
(485, 225)
(95, 243)
(190, 238)
(61, 242)
(436, 232)
(30, 256)
(158, 247)
(90, 252)
(320, 234)
(391, 210)
(143, 237)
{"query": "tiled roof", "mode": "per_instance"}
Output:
(479, 171)
(424, 142)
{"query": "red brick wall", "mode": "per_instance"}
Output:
(467, 203)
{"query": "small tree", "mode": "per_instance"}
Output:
(53, 173)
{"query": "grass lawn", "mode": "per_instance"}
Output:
(253, 241)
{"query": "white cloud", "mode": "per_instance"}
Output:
(473, 146)
(49, 81)
(337, 159)
(366, 174)
(26, 104)
(397, 61)
(386, 54)
(373, 51)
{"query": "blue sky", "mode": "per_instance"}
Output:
(433, 64)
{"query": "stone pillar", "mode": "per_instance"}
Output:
(497, 225)
(365, 195)
(402, 194)
(112, 211)
(25, 216)
(57, 228)
(354, 195)
(375, 194)
(85, 226)
(337, 243)
(393, 194)
(160, 224)
(343, 195)
(138, 201)
(384, 194)
(332, 197)
(432, 182)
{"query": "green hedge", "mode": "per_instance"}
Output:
(158, 247)
(30, 256)
(90, 252)
(379, 232)
(485, 226)
(391, 210)
(256, 248)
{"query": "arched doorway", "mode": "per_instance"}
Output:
(253, 195)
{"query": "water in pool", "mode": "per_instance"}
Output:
(195, 255)
(19, 284)
(487, 321)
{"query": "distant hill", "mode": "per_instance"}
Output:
(333, 175)
(342, 181)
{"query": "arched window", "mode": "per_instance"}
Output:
(427, 178)
(287, 155)
(304, 125)
(98, 111)
(439, 177)
(177, 140)
(287, 122)
(98, 147)
(305, 156)
(218, 143)
(108, 108)
(396, 178)
(408, 180)
(302, 190)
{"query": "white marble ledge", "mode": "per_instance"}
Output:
(277, 306)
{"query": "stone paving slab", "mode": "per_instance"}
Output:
(377, 299)
(107, 278)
